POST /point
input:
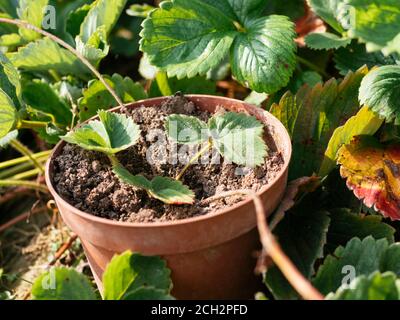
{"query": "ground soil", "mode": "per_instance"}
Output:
(85, 180)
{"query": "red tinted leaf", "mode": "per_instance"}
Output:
(373, 173)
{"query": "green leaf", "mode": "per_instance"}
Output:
(75, 19)
(377, 286)
(44, 55)
(8, 114)
(312, 115)
(263, 57)
(139, 10)
(62, 284)
(33, 12)
(147, 293)
(41, 96)
(365, 122)
(325, 41)
(301, 235)
(165, 189)
(103, 13)
(130, 272)
(346, 225)
(111, 134)
(186, 129)
(97, 97)
(365, 256)
(11, 40)
(7, 138)
(380, 91)
(9, 80)
(238, 138)
(375, 23)
(327, 10)
(355, 56)
(186, 38)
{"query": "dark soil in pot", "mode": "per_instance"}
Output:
(85, 179)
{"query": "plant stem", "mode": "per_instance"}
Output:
(27, 124)
(40, 156)
(27, 174)
(163, 85)
(193, 159)
(273, 249)
(312, 66)
(26, 152)
(86, 62)
(4, 174)
(23, 183)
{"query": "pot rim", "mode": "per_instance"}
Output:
(210, 215)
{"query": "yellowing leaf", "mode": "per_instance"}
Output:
(372, 172)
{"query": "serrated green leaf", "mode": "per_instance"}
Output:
(103, 13)
(377, 286)
(325, 41)
(186, 129)
(238, 138)
(365, 256)
(129, 272)
(96, 49)
(375, 23)
(165, 189)
(346, 225)
(327, 10)
(147, 293)
(379, 91)
(9, 80)
(301, 235)
(365, 122)
(355, 56)
(11, 40)
(62, 284)
(263, 57)
(75, 19)
(97, 97)
(312, 115)
(41, 96)
(111, 134)
(186, 38)
(8, 114)
(43, 55)
(33, 12)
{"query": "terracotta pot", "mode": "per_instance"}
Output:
(210, 256)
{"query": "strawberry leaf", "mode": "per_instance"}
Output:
(69, 285)
(9, 80)
(111, 134)
(191, 38)
(97, 97)
(380, 90)
(238, 138)
(32, 12)
(377, 286)
(371, 170)
(327, 10)
(129, 272)
(165, 189)
(325, 41)
(8, 114)
(365, 256)
(263, 57)
(186, 129)
(147, 293)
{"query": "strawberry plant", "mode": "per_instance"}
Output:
(328, 70)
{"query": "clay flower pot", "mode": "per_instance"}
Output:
(210, 256)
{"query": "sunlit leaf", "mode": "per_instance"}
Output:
(8, 114)
(379, 90)
(33, 12)
(325, 41)
(128, 272)
(186, 129)
(62, 284)
(165, 189)
(372, 172)
(111, 134)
